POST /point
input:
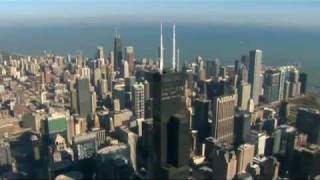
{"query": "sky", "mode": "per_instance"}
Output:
(289, 13)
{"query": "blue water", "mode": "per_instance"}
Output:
(280, 45)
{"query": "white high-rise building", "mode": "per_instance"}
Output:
(255, 60)
(138, 100)
(126, 72)
(85, 73)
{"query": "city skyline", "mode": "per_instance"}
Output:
(96, 89)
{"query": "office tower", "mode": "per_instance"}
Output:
(146, 90)
(223, 118)
(244, 93)
(74, 100)
(223, 71)
(308, 122)
(245, 154)
(259, 140)
(111, 61)
(116, 105)
(83, 97)
(29, 120)
(294, 84)
(138, 100)
(167, 93)
(242, 126)
(201, 119)
(286, 90)
(167, 101)
(303, 78)
(5, 153)
(93, 100)
(215, 68)
(255, 60)
(96, 76)
(85, 146)
(305, 162)
(269, 167)
(282, 84)
(145, 151)
(113, 162)
(178, 140)
(284, 111)
(237, 66)
(125, 69)
(55, 124)
(130, 57)
(118, 56)
(100, 53)
(202, 74)
(272, 86)
(224, 163)
(85, 73)
(103, 90)
(174, 64)
(243, 74)
(244, 60)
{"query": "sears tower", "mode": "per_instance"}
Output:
(171, 133)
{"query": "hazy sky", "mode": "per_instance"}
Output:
(297, 13)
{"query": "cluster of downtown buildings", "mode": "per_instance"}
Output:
(112, 117)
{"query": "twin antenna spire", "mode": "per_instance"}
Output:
(174, 64)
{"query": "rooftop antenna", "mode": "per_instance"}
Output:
(178, 59)
(161, 49)
(174, 48)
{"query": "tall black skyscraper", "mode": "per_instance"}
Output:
(241, 127)
(200, 121)
(171, 136)
(83, 97)
(308, 122)
(303, 77)
(118, 56)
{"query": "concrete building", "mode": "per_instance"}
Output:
(255, 60)
(138, 100)
(223, 118)
(245, 155)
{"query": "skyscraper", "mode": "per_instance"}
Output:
(244, 95)
(178, 140)
(255, 60)
(200, 122)
(242, 126)
(167, 93)
(272, 86)
(223, 118)
(118, 56)
(138, 100)
(130, 57)
(308, 122)
(83, 97)
(303, 78)
(125, 69)
(216, 68)
(224, 162)
(100, 53)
